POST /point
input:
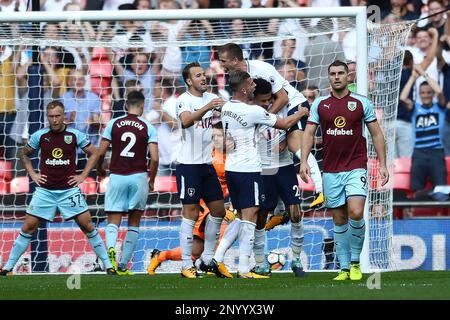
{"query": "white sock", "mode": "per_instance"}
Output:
(296, 239)
(186, 241)
(246, 240)
(316, 176)
(258, 247)
(212, 232)
(228, 238)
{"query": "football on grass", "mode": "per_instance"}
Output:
(276, 260)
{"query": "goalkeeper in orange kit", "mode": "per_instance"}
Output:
(157, 256)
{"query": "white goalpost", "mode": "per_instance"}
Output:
(91, 59)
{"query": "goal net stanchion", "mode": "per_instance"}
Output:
(386, 48)
(106, 52)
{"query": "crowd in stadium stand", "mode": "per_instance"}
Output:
(93, 84)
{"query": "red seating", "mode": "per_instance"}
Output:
(20, 185)
(106, 109)
(89, 186)
(165, 184)
(402, 165)
(4, 187)
(402, 175)
(305, 186)
(5, 170)
(101, 71)
(428, 212)
(402, 181)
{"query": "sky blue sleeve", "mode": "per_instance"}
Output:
(34, 139)
(82, 139)
(369, 111)
(107, 134)
(314, 112)
(152, 136)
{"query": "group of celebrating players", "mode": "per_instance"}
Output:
(242, 149)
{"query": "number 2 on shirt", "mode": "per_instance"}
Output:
(126, 151)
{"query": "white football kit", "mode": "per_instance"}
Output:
(260, 69)
(268, 146)
(196, 141)
(240, 122)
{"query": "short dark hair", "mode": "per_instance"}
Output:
(136, 3)
(237, 78)
(127, 6)
(312, 87)
(262, 86)
(187, 70)
(233, 50)
(420, 29)
(135, 99)
(424, 83)
(338, 63)
(55, 103)
(168, 85)
(132, 83)
(289, 39)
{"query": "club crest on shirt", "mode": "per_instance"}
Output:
(68, 139)
(191, 192)
(351, 105)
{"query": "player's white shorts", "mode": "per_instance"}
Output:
(126, 192)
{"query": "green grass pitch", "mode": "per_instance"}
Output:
(281, 286)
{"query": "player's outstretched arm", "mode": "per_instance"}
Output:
(288, 122)
(281, 99)
(432, 49)
(307, 144)
(26, 162)
(188, 118)
(433, 84)
(404, 95)
(154, 161)
(93, 154)
(380, 148)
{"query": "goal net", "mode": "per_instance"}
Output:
(92, 64)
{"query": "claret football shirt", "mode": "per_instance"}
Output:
(342, 121)
(58, 155)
